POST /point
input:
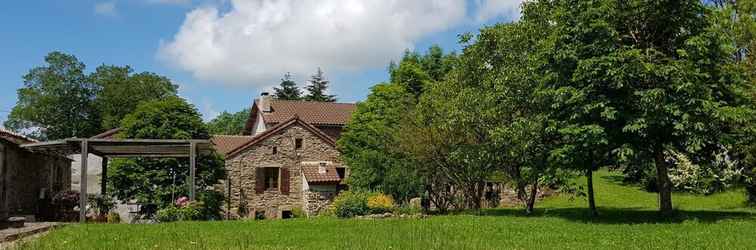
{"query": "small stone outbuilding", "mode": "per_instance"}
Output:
(29, 180)
(278, 167)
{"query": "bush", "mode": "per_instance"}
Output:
(380, 203)
(408, 209)
(114, 218)
(349, 204)
(212, 203)
(103, 204)
(187, 213)
(66, 199)
(298, 212)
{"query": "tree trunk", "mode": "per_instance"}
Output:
(751, 192)
(591, 197)
(531, 200)
(751, 187)
(664, 185)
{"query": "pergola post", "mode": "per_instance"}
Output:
(83, 181)
(104, 177)
(192, 168)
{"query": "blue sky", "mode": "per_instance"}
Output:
(223, 53)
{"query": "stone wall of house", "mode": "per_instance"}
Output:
(241, 170)
(316, 202)
(29, 178)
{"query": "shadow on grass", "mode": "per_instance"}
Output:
(630, 215)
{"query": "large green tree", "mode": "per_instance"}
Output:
(738, 20)
(56, 101)
(668, 74)
(122, 91)
(228, 123)
(317, 89)
(369, 142)
(59, 100)
(162, 180)
(287, 89)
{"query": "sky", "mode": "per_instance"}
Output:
(224, 53)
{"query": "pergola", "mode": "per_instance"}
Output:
(122, 148)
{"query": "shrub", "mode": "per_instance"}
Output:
(349, 204)
(114, 218)
(298, 213)
(103, 204)
(186, 213)
(408, 209)
(212, 203)
(380, 203)
(66, 199)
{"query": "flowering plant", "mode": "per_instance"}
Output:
(182, 201)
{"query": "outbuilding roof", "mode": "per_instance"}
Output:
(224, 144)
(15, 137)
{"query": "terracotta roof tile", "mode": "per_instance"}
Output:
(313, 174)
(316, 113)
(226, 143)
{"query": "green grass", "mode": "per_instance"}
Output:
(628, 221)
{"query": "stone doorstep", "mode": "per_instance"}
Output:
(28, 230)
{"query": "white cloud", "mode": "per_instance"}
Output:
(106, 8)
(256, 42)
(175, 2)
(208, 110)
(489, 9)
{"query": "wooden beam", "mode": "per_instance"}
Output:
(192, 169)
(104, 177)
(83, 182)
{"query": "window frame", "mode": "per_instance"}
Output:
(266, 178)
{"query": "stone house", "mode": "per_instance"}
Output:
(29, 180)
(286, 159)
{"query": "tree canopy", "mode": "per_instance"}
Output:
(60, 100)
(57, 101)
(287, 89)
(161, 181)
(317, 89)
(228, 123)
(122, 91)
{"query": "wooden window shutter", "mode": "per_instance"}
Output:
(259, 180)
(285, 181)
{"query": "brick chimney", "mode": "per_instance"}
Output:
(264, 102)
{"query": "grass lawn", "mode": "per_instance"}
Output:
(628, 221)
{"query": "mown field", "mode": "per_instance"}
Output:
(628, 221)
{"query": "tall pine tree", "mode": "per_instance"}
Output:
(288, 89)
(317, 89)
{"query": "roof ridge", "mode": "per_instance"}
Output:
(303, 101)
(232, 135)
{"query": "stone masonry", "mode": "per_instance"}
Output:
(241, 169)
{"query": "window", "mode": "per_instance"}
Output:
(275, 150)
(341, 172)
(286, 214)
(271, 178)
(298, 143)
